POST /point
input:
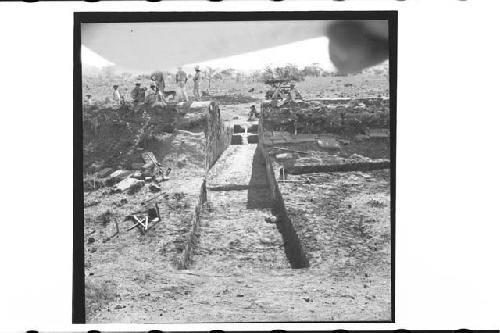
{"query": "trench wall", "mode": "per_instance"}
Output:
(327, 116)
(183, 260)
(217, 135)
(217, 139)
(293, 246)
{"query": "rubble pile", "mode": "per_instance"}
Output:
(114, 136)
(327, 116)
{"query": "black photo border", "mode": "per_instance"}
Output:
(78, 292)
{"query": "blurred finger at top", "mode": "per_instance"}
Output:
(355, 45)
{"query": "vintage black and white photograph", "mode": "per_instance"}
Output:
(235, 168)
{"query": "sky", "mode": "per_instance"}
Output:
(91, 58)
(143, 47)
(301, 53)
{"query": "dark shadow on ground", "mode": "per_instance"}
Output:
(259, 194)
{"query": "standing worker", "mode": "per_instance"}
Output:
(116, 95)
(196, 79)
(181, 79)
(293, 94)
(159, 82)
(135, 94)
(152, 95)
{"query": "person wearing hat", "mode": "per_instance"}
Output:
(159, 82)
(196, 80)
(152, 96)
(181, 79)
(135, 94)
(253, 113)
(116, 95)
(293, 94)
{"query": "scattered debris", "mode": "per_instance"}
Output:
(92, 203)
(92, 184)
(117, 231)
(154, 188)
(284, 156)
(120, 174)
(104, 172)
(165, 195)
(361, 137)
(271, 219)
(328, 143)
(117, 177)
(378, 132)
(160, 178)
(105, 217)
(135, 187)
(137, 175)
(376, 204)
(136, 165)
(234, 243)
(130, 184)
(142, 220)
(150, 160)
(162, 247)
(292, 150)
(344, 141)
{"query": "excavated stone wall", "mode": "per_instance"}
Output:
(218, 136)
(327, 116)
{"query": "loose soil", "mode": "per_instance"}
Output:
(239, 269)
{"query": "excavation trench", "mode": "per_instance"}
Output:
(292, 246)
(240, 197)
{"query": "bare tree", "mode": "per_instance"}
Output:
(210, 74)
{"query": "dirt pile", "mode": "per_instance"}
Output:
(116, 136)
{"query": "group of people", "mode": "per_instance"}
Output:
(292, 95)
(181, 79)
(157, 91)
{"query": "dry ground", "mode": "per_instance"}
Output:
(240, 271)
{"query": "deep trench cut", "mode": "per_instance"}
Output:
(240, 181)
(258, 197)
(291, 242)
